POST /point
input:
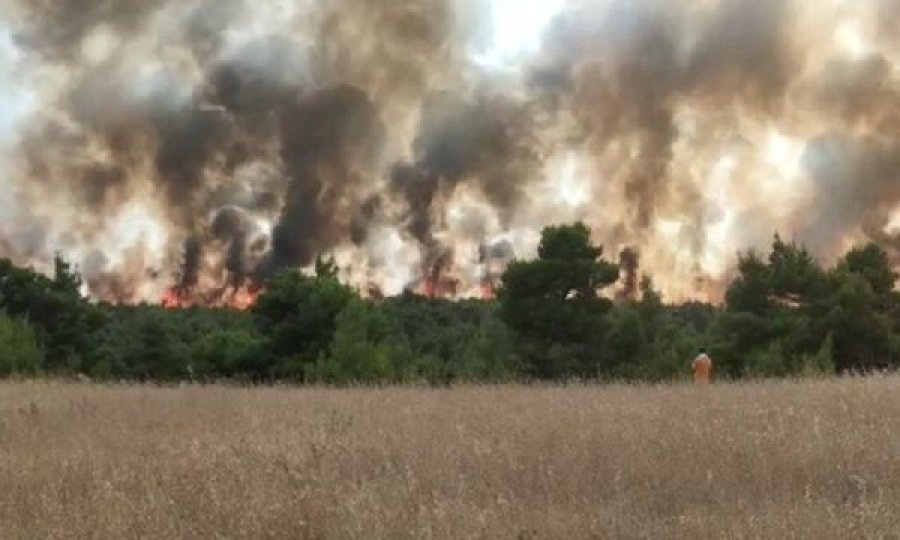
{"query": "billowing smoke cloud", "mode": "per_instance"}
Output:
(484, 144)
(203, 143)
(329, 145)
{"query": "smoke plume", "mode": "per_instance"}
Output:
(204, 143)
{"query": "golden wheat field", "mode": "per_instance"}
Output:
(815, 459)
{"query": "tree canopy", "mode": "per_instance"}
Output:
(553, 303)
(556, 317)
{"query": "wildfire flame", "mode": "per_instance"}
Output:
(176, 298)
(439, 287)
(244, 298)
(488, 291)
(240, 298)
(429, 288)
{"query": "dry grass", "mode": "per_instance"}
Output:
(773, 460)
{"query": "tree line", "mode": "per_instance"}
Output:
(553, 319)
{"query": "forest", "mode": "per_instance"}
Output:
(554, 318)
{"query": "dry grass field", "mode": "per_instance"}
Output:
(817, 459)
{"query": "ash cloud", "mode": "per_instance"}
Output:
(483, 143)
(329, 143)
(857, 185)
(204, 141)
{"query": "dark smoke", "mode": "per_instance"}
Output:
(498, 251)
(193, 258)
(329, 141)
(484, 143)
(56, 29)
(188, 140)
(857, 185)
(626, 72)
(268, 134)
(232, 227)
(629, 265)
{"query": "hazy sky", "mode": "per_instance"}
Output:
(13, 95)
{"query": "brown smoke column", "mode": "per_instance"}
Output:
(201, 143)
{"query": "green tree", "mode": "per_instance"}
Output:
(440, 340)
(358, 352)
(326, 267)
(750, 292)
(63, 320)
(627, 343)
(488, 354)
(767, 327)
(794, 273)
(554, 306)
(871, 263)
(155, 351)
(298, 314)
(149, 342)
(861, 331)
(822, 362)
(767, 362)
(20, 353)
(650, 309)
(229, 353)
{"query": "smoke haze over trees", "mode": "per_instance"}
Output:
(557, 317)
(207, 145)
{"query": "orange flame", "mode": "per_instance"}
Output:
(176, 298)
(440, 287)
(244, 298)
(488, 291)
(429, 288)
(238, 298)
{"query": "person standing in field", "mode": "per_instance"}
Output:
(702, 367)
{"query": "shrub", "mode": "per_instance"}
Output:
(357, 352)
(768, 362)
(20, 353)
(822, 362)
(232, 353)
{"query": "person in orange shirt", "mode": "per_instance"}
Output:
(702, 366)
